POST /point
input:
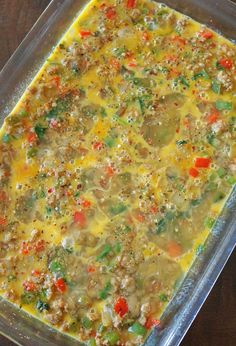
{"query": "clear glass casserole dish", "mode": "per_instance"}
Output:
(14, 78)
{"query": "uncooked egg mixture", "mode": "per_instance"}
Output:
(114, 166)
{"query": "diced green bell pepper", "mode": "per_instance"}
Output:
(223, 105)
(112, 338)
(137, 329)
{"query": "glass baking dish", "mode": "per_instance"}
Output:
(14, 78)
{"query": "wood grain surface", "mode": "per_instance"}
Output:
(215, 325)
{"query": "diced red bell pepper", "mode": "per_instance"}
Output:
(3, 221)
(121, 307)
(57, 81)
(213, 116)
(180, 40)
(193, 172)
(227, 63)
(206, 34)
(29, 286)
(91, 269)
(151, 322)
(140, 217)
(25, 248)
(132, 64)
(3, 196)
(109, 171)
(39, 245)
(36, 272)
(145, 36)
(131, 3)
(129, 54)
(97, 145)
(32, 137)
(86, 203)
(61, 285)
(115, 63)
(79, 217)
(84, 33)
(202, 162)
(154, 209)
(186, 122)
(110, 13)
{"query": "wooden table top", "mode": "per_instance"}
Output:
(215, 325)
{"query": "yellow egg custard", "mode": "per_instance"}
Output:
(114, 166)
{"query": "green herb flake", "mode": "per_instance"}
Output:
(163, 298)
(69, 250)
(223, 105)
(161, 226)
(105, 251)
(42, 175)
(32, 152)
(92, 342)
(118, 209)
(43, 294)
(41, 306)
(212, 140)
(137, 329)
(164, 69)
(119, 52)
(48, 210)
(127, 229)
(112, 337)
(213, 177)
(103, 112)
(201, 74)
(211, 186)
(56, 267)
(181, 142)
(216, 87)
(182, 80)
(141, 104)
(40, 131)
(117, 248)
(109, 142)
(219, 66)
(61, 106)
(41, 194)
(170, 215)
(28, 298)
(22, 113)
(195, 202)
(103, 294)
(86, 322)
(231, 180)
(101, 328)
(221, 172)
